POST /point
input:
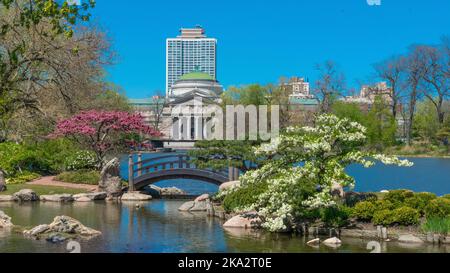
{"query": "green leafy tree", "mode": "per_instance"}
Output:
(426, 123)
(351, 111)
(30, 36)
(381, 125)
(221, 154)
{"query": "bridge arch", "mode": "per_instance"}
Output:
(168, 167)
(201, 175)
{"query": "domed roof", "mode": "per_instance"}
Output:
(197, 76)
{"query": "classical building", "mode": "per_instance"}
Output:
(194, 84)
(188, 52)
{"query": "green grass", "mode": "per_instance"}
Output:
(437, 225)
(80, 177)
(40, 190)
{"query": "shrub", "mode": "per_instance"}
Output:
(420, 200)
(364, 210)
(15, 159)
(439, 207)
(406, 216)
(437, 225)
(335, 216)
(80, 177)
(22, 178)
(243, 197)
(398, 197)
(81, 160)
(384, 204)
(383, 217)
(447, 196)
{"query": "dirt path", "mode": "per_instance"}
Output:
(48, 181)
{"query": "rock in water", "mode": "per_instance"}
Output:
(246, 220)
(94, 196)
(2, 181)
(202, 197)
(61, 226)
(409, 238)
(7, 198)
(333, 242)
(173, 191)
(186, 206)
(63, 198)
(37, 230)
(26, 195)
(110, 181)
(135, 196)
(314, 242)
(5, 220)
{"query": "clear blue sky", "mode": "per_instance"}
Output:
(261, 40)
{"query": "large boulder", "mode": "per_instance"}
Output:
(62, 226)
(135, 196)
(333, 242)
(186, 206)
(110, 180)
(7, 198)
(172, 191)
(246, 220)
(201, 198)
(337, 190)
(2, 181)
(26, 195)
(62, 198)
(5, 220)
(92, 196)
(153, 190)
(229, 185)
(410, 239)
(194, 206)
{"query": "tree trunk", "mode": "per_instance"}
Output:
(2, 181)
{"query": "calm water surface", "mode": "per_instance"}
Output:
(158, 227)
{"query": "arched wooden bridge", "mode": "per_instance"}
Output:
(172, 166)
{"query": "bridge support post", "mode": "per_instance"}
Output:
(139, 164)
(130, 173)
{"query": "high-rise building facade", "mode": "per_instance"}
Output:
(190, 51)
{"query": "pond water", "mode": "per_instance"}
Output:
(158, 227)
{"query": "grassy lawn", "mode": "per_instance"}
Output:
(80, 177)
(40, 190)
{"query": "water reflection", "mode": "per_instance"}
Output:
(158, 227)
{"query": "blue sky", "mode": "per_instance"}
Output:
(261, 40)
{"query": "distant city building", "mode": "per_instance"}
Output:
(298, 87)
(190, 51)
(300, 98)
(368, 94)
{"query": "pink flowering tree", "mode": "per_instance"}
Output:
(105, 132)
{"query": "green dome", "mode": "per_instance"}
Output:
(197, 76)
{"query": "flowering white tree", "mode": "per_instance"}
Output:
(308, 163)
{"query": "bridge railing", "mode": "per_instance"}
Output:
(167, 162)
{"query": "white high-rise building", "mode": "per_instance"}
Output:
(190, 52)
